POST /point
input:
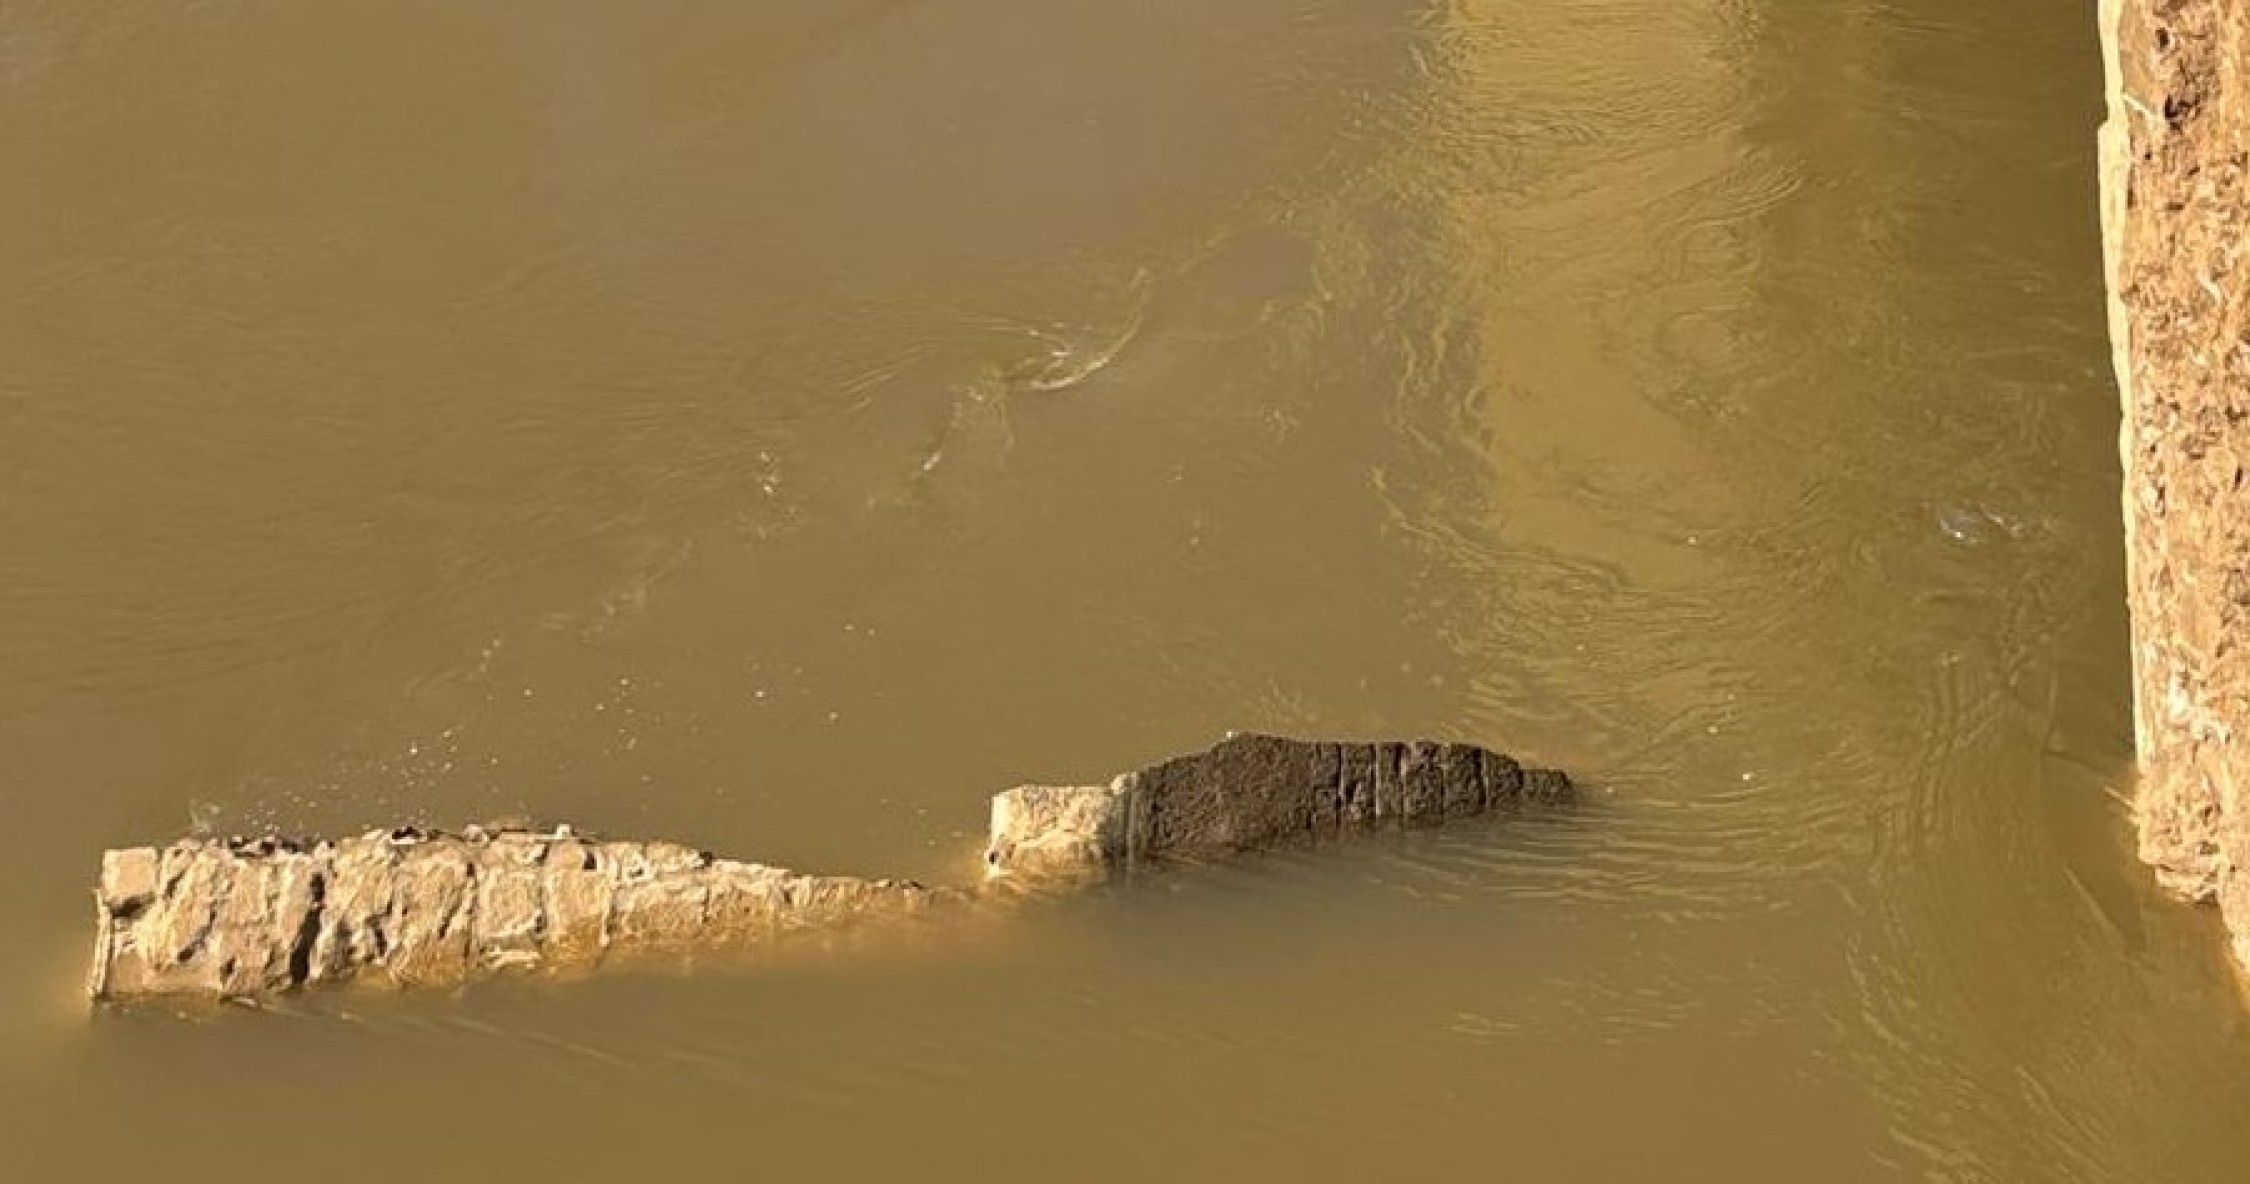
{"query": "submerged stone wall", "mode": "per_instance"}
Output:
(2175, 197)
(242, 918)
(1253, 792)
(245, 918)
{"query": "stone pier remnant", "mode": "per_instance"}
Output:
(243, 918)
(2175, 205)
(1251, 792)
(236, 918)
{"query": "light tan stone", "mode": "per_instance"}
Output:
(2175, 205)
(508, 920)
(246, 919)
(129, 879)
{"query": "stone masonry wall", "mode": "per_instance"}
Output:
(2175, 196)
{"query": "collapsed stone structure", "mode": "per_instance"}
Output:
(1252, 792)
(243, 918)
(247, 918)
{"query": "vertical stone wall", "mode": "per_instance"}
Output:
(2175, 197)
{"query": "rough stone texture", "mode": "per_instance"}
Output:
(239, 919)
(2175, 161)
(1250, 792)
(1064, 828)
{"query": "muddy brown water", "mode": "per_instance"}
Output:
(779, 425)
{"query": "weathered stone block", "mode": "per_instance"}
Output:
(1250, 792)
(575, 896)
(241, 919)
(746, 898)
(129, 879)
(428, 925)
(508, 922)
(1058, 828)
(357, 903)
(659, 911)
(1246, 792)
(2175, 203)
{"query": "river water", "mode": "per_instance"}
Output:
(780, 425)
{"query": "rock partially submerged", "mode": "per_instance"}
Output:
(1250, 792)
(246, 918)
(237, 919)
